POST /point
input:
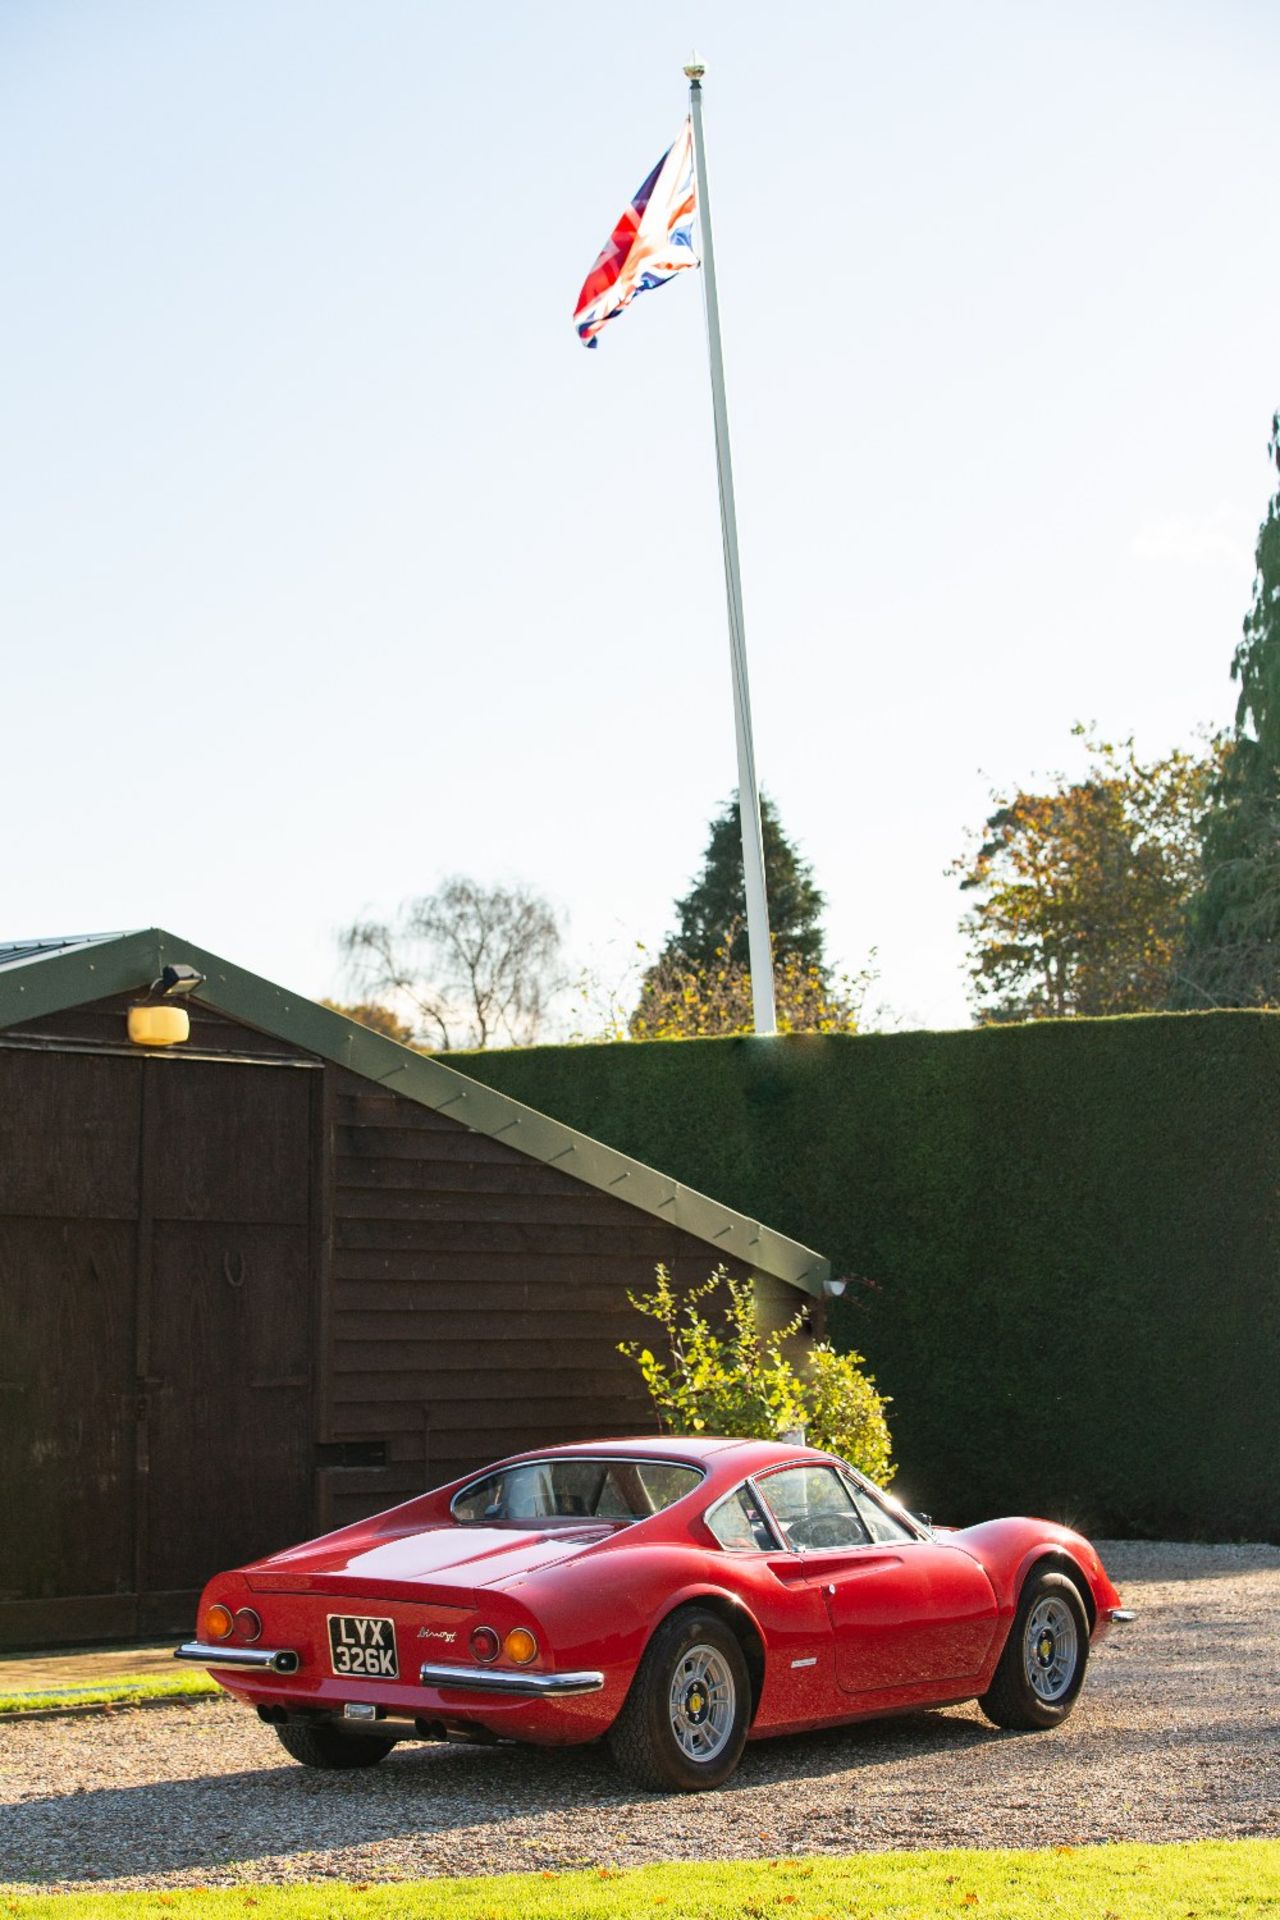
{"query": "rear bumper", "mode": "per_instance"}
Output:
(525, 1686)
(265, 1659)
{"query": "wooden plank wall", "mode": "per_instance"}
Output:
(477, 1298)
(101, 1025)
(466, 1300)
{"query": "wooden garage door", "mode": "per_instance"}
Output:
(228, 1319)
(67, 1419)
(156, 1332)
(69, 1179)
(229, 1433)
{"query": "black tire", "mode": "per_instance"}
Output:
(330, 1748)
(692, 1650)
(1050, 1631)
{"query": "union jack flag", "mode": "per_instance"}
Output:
(652, 241)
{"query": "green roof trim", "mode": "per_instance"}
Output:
(51, 978)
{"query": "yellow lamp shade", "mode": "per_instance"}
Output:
(159, 1026)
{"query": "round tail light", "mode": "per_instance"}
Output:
(248, 1624)
(521, 1646)
(219, 1623)
(485, 1644)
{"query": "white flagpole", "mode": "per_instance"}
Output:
(758, 947)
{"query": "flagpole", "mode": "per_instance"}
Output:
(758, 945)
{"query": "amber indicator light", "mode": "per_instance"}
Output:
(218, 1623)
(521, 1646)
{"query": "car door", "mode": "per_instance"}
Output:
(906, 1612)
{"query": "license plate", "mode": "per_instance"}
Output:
(358, 1644)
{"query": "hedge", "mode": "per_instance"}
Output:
(1063, 1240)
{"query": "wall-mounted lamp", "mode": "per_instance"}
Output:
(834, 1288)
(157, 1021)
(177, 981)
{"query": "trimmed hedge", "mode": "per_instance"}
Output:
(1065, 1238)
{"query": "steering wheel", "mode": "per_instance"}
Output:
(826, 1530)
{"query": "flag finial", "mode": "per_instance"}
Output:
(695, 67)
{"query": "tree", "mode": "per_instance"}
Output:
(468, 964)
(1083, 889)
(682, 999)
(724, 1376)
(380, 1019)
(715, 908)
(1233, 949)
(700, 983)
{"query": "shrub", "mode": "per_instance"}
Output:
(724, 1376)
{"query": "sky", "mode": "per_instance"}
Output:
(332, 564)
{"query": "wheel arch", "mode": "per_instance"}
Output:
(1056, 1559)
(740, 1621)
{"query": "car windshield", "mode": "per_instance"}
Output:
(549, 1492)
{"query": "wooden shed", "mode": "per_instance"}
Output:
(287, 1273)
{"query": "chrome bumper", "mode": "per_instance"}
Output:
(1121, 1616)
(282, 1660)
(530, 1686)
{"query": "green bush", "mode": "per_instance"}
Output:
(720, 1375)
(1064, 1237)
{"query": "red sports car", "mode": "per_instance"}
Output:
(675, 1597)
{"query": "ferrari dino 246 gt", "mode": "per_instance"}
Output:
(675, 1597)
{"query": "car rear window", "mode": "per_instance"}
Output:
(548, 1492)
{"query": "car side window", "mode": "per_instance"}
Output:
(814, 1508)
(739, 1524)
(880, 1524)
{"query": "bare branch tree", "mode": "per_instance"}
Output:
(470, 965)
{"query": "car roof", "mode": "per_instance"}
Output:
(699, 1449)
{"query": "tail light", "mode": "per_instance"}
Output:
(520, 1646)
(485, 1644)
(248, 1624)
(219, 1623)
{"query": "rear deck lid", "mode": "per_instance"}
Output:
(445, 1563)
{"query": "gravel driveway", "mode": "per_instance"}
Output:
(1176, 1737)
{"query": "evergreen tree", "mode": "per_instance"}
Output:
(680, 1001)
(713, 914)
(1233, 949)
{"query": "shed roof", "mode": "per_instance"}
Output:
(45, 976)
(14, 952)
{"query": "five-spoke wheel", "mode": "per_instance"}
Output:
(1042, 1667)
(703, 1702)
(684, 1721)
(1050, 1648)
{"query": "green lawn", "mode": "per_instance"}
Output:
(120, 1690)
(1209, 1880)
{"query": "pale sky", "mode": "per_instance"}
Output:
(334, 564)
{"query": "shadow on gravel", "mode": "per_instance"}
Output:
(208, 1823)
(1134, 1563)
